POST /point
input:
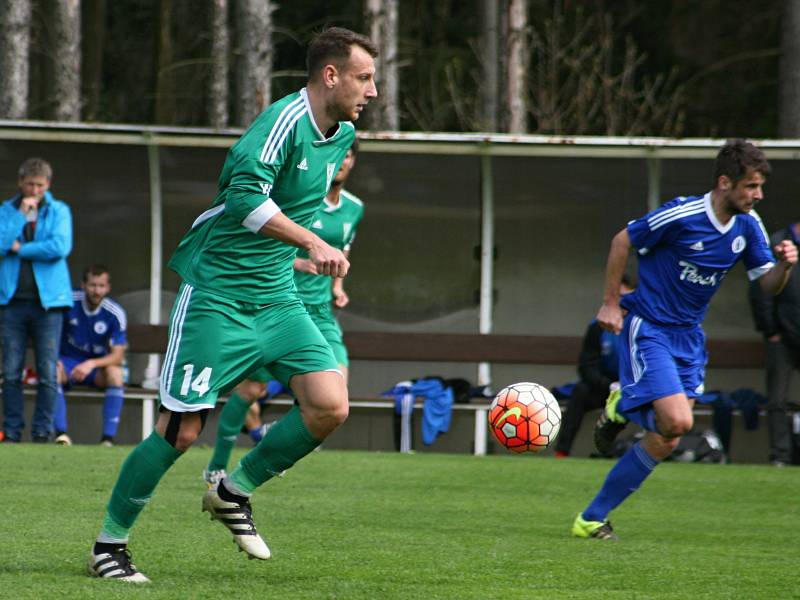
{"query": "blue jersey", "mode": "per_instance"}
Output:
(90, 334)
(684, 254)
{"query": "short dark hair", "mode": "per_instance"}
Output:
(36, 167)
(333, 46)
(736, 157)
(95, 271)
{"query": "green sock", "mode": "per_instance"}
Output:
(231, 420)
(286, 442)
(138, 477)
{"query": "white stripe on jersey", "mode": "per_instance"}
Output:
(636, 323)
(754, 274)
(352, 197)
(678, 212)
(668, 211)
(763, 229)
(116, 310)
(279, 126)
(176, 328)
(208, 214)
(273, 153)
(675, 217)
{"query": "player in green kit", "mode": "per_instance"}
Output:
(335, 222)
(237, 309)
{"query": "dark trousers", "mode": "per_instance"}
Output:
(584, 398)
(782, 359)
(21, 320)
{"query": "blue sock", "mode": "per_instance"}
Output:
(60, 415)
(623, 479)
(256, 434)
(112, 408)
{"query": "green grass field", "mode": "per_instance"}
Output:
(370, 525)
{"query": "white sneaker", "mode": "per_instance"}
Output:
(115, 565)
(238, 518)
(212, 478)
(62, 439)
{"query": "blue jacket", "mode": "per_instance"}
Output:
(437, 409)
(52, 243)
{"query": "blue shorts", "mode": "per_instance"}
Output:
(656, 361)
(70, 363)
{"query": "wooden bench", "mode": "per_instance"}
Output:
(458, 347)
(450, 347)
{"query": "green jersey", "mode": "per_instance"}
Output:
(282, 163)
(336, 224)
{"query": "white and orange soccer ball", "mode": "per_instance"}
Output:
(525, 417)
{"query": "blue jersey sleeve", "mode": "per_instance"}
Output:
(659, 225)
(757, 255)
(117, 336)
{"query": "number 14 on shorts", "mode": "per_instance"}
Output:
(200, 384)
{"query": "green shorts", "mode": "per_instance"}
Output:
(322, 315)
(215, 342)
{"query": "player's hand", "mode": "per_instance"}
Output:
(304, 265)
(15, 246)
(81, 371)
(610, 317)
(328, 260)
(340, 298)
(786, 252)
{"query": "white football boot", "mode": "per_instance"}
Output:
(238, 518)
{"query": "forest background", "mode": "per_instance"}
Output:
(680, 68)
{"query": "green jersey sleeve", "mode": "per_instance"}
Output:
(259, 157)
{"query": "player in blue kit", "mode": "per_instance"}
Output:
(685, 248)
(93, 342)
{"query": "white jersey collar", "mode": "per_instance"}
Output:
(713, 217)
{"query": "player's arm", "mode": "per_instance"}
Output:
(328, 260)
(610, 314)
(773, 281)
(114, 358)
(340, 297)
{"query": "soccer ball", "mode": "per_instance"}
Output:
(524, 417)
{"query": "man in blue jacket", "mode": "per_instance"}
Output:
(35, 289)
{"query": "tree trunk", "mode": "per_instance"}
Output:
(93, 43)
(518, 61)
(789, 78)
(254, 71)
(67, 60)
(165, 92)
(218, 77)
(381, 18)
(489, 58)
(15, 19)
